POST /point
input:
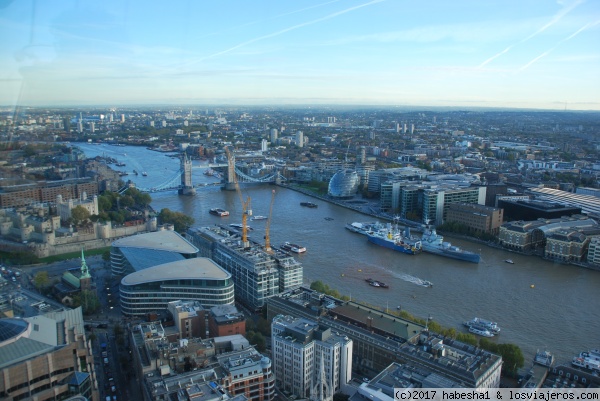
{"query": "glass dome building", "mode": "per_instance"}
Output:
(343, 184)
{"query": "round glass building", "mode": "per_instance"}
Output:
(343, 184)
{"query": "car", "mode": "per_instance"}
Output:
(113, 389)
(106, 361)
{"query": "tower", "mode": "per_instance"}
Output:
(187, 188)
(85, 280)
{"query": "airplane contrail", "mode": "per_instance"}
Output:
(282, 31)
(571, 36)
(557, 17)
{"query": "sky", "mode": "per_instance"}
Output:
(466, 53)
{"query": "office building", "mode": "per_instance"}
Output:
(299, 139)
(198, 279)
(225, 320)
(309, 359)
(437, 200)
(273, 136)
(380, 339)
(343, 184)
(478, 218)
(257, 274)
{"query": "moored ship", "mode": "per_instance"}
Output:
(434, 243)
(479, 323)
(309, 204)
(393, 239)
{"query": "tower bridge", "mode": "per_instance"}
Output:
(181, 181)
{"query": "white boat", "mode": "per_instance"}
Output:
(509, 261)
(481, 332)
(240, 226)
(479, 323)
(288, 246)
(259, 217)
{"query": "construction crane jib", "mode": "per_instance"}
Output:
(268, 226)
(246, 210)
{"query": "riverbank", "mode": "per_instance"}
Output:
(369, 209)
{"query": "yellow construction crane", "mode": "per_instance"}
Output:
(246, 210)
(268, 226)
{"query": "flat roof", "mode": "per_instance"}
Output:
(194, 269)
(164, 240)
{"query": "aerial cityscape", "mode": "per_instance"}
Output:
(335, 200)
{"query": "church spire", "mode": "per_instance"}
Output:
(85, 272)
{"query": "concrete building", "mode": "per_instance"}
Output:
(45, 191)
(257, 275)
(531, 209)
(380, 339)
(309, 360)
(437, 201)
(530, 235)
(593, 255)
(229, 365)
(189, 318)
(479, 218)
(198, 279)
(225, 320)
(273, 136)
(299, 139)
(46, 357)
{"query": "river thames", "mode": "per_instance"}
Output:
(537, 303)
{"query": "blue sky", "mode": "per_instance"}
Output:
(466, 53)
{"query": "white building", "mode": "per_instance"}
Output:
(264, 145)
(64, 208)
(309, 360)
(300, 139)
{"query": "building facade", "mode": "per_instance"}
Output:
(479, 218)
(309, 360)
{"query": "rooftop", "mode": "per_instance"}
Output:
(191, 269)
(164, 240)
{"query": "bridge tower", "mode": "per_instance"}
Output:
(230, 183)
(186, 188)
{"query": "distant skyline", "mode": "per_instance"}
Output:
(541, 54)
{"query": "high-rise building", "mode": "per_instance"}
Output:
(122, 118)
(299, 139)
(92, 127)
(309, 360)
(273, 136)
(412, 129)
(264, 145)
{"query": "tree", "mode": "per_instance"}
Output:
(88, 300)
(512, 357)
(41, 280)
(80, 215)
(181, 221)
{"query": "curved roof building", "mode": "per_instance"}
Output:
(343, 184)
(138, 252)
(197, 279)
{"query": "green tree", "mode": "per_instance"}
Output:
(41, 280)
(88, 300)
(512, 357)
(80, 215)
(181, 221)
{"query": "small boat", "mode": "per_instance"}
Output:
(328, 218)
(309, 204)
(480, 331)
(427, 283)
(258, 217)
(509, 261)
(240, 226)
(376, 283)
(288, 246)
(219, 212)
(145, 174)
(135, 172)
